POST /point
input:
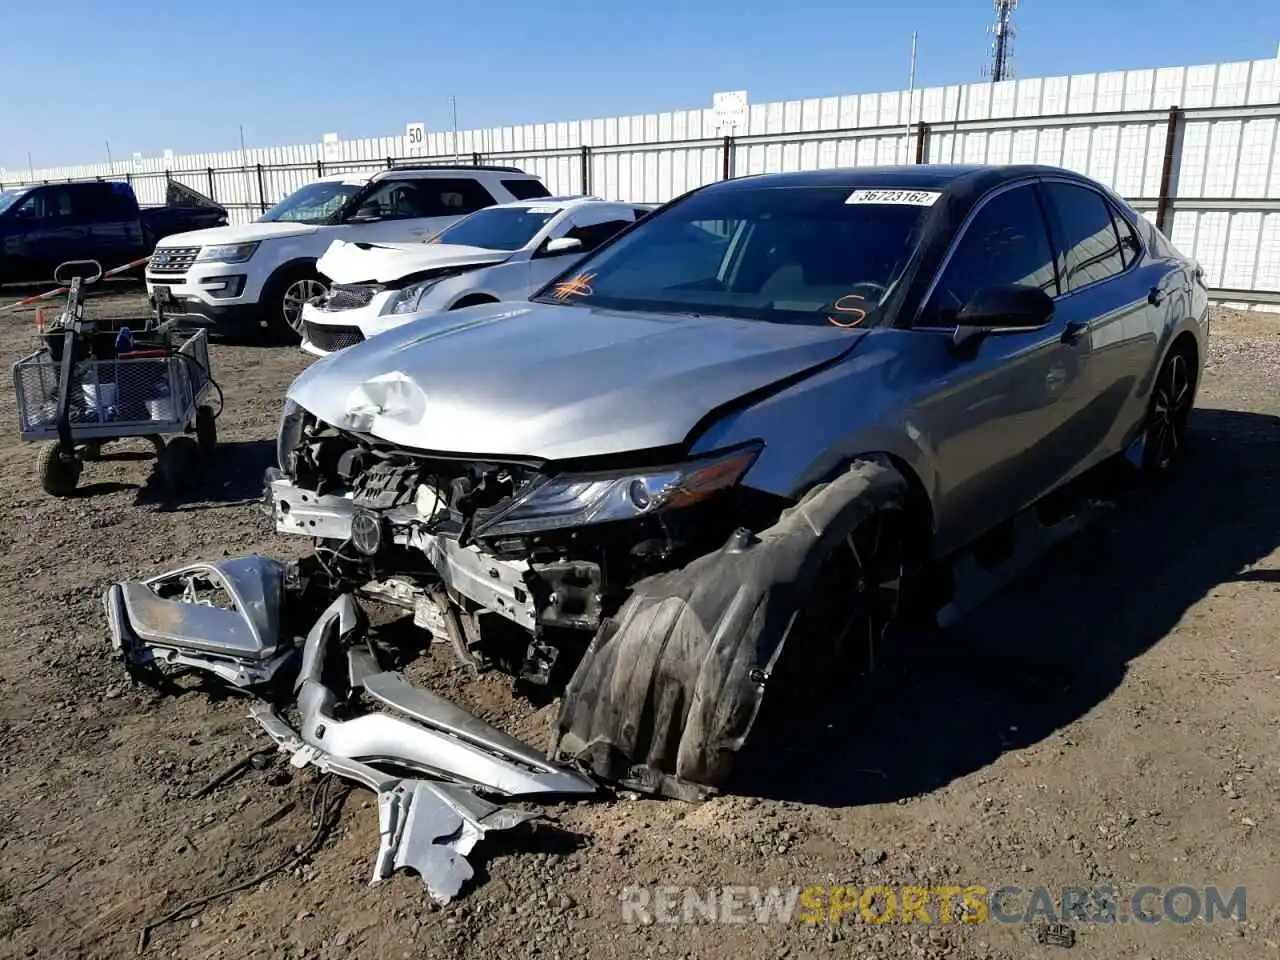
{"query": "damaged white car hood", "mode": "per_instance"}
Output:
(361, 262)
(554, 382)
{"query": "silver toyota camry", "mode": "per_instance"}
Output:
(722, 455)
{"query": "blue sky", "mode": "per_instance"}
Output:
(148, 76)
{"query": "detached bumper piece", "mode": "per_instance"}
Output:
(423, 825)
(357, 721)
(221, 618)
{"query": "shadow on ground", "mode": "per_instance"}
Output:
(1050, 647)
(231, 477)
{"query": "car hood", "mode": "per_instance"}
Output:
(241, 233)
(362, 262)
(554, 382)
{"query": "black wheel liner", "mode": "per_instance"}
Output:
(669, 688)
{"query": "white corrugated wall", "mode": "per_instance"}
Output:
(1076, 122)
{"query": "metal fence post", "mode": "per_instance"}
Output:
(475, 159)
(1169, 173)
(727, 171)
(262, 191)
(209, 172)
(390, 163)
(319, 168)
(584, 158)
(922, 142)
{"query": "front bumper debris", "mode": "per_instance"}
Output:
(422, 731)
(357, 720)
(497, 585)
(423, 825)
(239, 643)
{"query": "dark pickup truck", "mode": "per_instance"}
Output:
(43, 226)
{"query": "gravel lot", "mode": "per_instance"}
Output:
(1111, 718)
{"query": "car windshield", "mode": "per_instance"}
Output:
(314, 203)
(498, 228)
(816, 255)
(8, 198)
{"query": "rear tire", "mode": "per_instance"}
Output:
(1172, 397)
(284, 297)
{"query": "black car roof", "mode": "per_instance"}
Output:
(968, 177)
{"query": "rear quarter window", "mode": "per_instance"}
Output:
(526, 189)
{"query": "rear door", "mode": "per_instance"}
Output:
(115, 231)
(994, 419)
(1112, 301)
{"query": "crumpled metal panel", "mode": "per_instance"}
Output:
(423, 825)
(430, 734)
(239, 642)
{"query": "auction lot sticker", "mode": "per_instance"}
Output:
(908, 198)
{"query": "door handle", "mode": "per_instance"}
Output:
(1073, 331)
(1155, 296)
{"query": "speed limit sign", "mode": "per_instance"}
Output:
(415, 135)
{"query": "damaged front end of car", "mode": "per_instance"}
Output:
(475, 547)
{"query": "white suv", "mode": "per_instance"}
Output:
(504, 252)
(259, 275)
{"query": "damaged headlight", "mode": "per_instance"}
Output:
(407, 300)
(574, 500)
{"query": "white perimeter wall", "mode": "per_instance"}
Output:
(653, 157)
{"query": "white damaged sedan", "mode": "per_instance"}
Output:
(503, 252)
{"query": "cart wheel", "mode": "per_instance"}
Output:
(206, 430)
(58, 474)
(179, 462)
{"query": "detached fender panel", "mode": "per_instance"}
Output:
(669, 689)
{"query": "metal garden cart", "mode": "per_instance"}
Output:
(95, 382)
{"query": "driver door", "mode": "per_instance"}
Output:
(994, 417)
(48, 233)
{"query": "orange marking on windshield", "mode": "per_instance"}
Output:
(855, 314)
(579, 286)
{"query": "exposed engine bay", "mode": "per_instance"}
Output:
(473, 546)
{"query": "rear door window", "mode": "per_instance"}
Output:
(99, 201)
(1006, 242)
(1088, 235)
(413, 198)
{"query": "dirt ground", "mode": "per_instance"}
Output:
(1111, 718)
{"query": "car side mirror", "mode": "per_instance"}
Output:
(999, 309)
(370, 214)
(556, 247)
